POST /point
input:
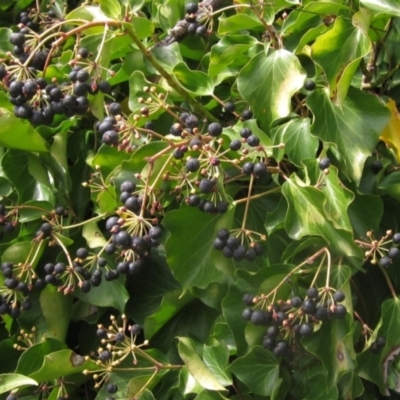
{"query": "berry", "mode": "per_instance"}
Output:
(81, 89)
(3, 72)
(193, 165)
(227, 252)
(111, 388)
(192, 27)
(15, 88)
(201, 30)
(111, 275)
(260, 170)
(258, 248)
(233, 242)
(296, 301)
(119, 337)
(194, 200)
(136, 329)
(272, 331)
(105, 355)
(324, 163)
(246, 314)
(135, 267)
(30, 88)
(247, 114)
(394, 252)
(110, 138)
(46, 229)
(17, 39)
(268, 342)
(281, 348)
(250, 255)
(104, 87)
(11, 283)
(248, 168)
(59, 268)
(376, 166)
(192, 121)
(82, 75)
(245, 133)
(235, 145)
(82, 253)
(219, 244)
(321, 313)
(253, 141)
(312, 293)
(396, 238)
(239, 253)
(84, 53)
(215, 129)
(222, 207)
(229, 107)
(223, 234)
(248, 299)
(260, 317)
(305, 329)
(380, 341)
(111, 222)
(123, 239)
(339, 296)
(206, 185)
(309, 306)
(309, 85)
(128, 186)
(385, 261)
(178, 154)
(86, 286)
(209, 207)
(23, 111)
(191, 8)
(176, 129)
(114, 109)
(155, 233)
(101, 262)
(340, 311)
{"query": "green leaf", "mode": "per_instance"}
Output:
(340, 50)
(298, 141)
(239, 22)
(12, 381)
(191, 266)
(62, 363)
(368, 360)
(18, 134)
(354, 128)
(56, 309)
(111, 8)
(33, 210)
(31, 359)
(306, 216)
(268, 83)
(390, 7)
(196, 82)
(258, 370)
(333, 345)
(196, 366)
(216, 360)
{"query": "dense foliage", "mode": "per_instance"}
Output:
(199, 201)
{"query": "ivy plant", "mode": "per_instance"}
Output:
(199, 200)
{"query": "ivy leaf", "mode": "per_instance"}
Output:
(299, 143)
(196, 82)
(259, 371)
(268, 83)
(18, 134)
(196, 366)
(390, 7)
(374, 366)
(333, 345)
(390, 135)
(340, 50)
(216, 359)
(306, 216)
(354, 128)
(111, 8)
(202, 231)
(11, 381)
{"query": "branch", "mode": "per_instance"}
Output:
(180, 30)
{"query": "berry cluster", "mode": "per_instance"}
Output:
(294, 318)
(8, 221)
(233, 247)
(195, 21)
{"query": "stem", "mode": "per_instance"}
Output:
(388, 281)
(246, 210)
(257, 196)
(84, 222)
(61, 244)
(328, 270)
(169, 78)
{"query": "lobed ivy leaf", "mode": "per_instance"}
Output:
(354, 128)
(268, 82)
